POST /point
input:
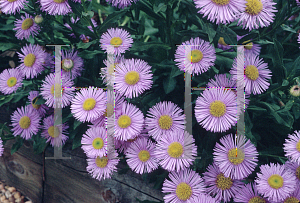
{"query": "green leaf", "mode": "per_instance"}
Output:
(147, 8)
(264, 42)
(277, 59)
(40, 101)
(77, 141)
(160, 8)
(208, 28)
(6, 99)
(76, 124)
(170, 83)
(296, 110)
(144, 46)
(89, 14)
(16, 146)
(82, 45)
(228, 34)
(7, 46)
(112, 18)
(294, 68)
(285, 83)
(288, 28)
(39, 143)
(86, 54)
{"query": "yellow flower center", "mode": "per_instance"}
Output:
(27, 23)
(57, 92)
(217, 108)
(144, 155)
(175, 149)
(101, 162)
(98, 143)
(53, 131)
(221, 2)
(109, 111)
(291, 200)
(223, 183)
(298, 172)
(12, 81)
(221, 41)
(275, 181)
(183, 191)
(298, 146)
(165, 122)
(11, 1)
(116, 41)
(132, 77)
(89, 104)
(124, 121)
(256, 200)
(236, 156)
(253, 7)
(195, 56)
(34, 105)
(248, 45)
(251, 72)
(25, 122)
(29, 60)
(67, 65)
(59, 1)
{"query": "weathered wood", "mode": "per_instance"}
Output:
(19, 170)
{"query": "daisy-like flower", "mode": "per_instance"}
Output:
(295, 91)
(47, 91)
(221, 80)
(71, 64)
(129, 122)
(222, 45)
(256, 74)
(177, 151)
(122, 146)
(220, 186)
(25, 122)
(102, 168)
(221, 11)
(53, 134)
(298, 2)
(203, 198)
(294, 197)
(164, 118)
(216, 110)
(26, 27)
(119, 38)
(295, 169)
(55, 7)
(12, 6)
(258, 13)
(121, 3)
(250, 47)
(32, 60)
(185, 186)
(108, 72)
(49, 60)
(249, 195)
(1, 147)
(112, 105)
(195, 56)
(236, 158)
(10, 80)
(133, 77)
(275, 182)
(94, 142)
(141, 156)
(40, 108)
(292, 147)
(88, 104)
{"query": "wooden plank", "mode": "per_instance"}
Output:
(21, 172)
(68, 181)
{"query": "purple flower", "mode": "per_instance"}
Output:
(163, 119)
(10, 80)
(195, 56)
(295, 169)
(55, 7)
(32, 60)
(53, 134)
(247, 194)
(250, 47)
(292, 147)
(118, 38)
(185, 186)
(258, 13)
(121, 3)
(25, 122)
(12, 6)
(177, 151)
(221, 11)
(275, 182)
(1, 147)
(26, 27)
(40, 108)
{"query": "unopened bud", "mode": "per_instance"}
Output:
(38, 19)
